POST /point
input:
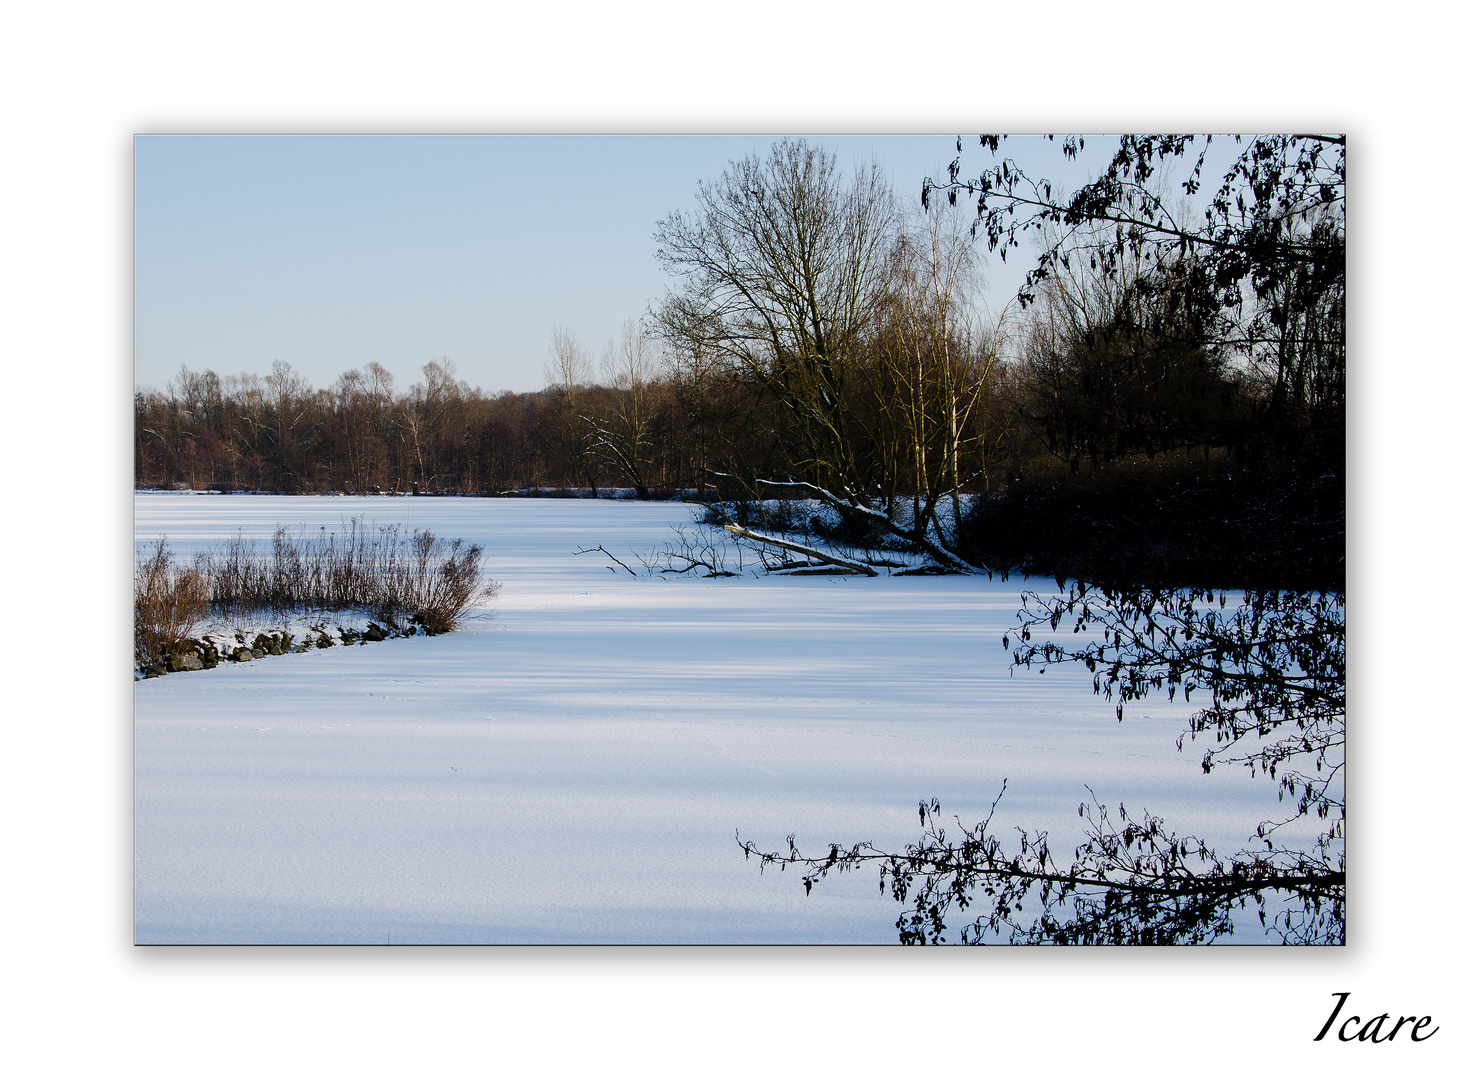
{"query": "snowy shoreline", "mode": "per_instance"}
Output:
(241, 642)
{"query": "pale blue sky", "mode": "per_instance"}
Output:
(329, 252)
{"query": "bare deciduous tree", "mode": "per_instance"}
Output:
(781, 268)
(784, 270)
(619, 432)
(568, 369)
(936, 360)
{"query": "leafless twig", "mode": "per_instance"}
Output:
(609, 555)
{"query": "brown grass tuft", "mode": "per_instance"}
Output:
(168, 604)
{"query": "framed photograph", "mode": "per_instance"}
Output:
(744, 539)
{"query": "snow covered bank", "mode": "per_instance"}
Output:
(574, 764)
(219, 643)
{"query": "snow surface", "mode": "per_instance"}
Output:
(573, 765)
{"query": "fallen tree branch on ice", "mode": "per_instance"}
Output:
(917, 538)
(802, 549)
(609, 555)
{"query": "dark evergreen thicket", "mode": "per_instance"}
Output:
(1170, 523)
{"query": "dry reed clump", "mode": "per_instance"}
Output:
(397, 577)
(168, 603)
(417, 577)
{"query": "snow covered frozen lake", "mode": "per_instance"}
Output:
(573, 765)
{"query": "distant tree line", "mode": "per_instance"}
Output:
(654, 419)
(365, 435)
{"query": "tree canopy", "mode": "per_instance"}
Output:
(1262, 273)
